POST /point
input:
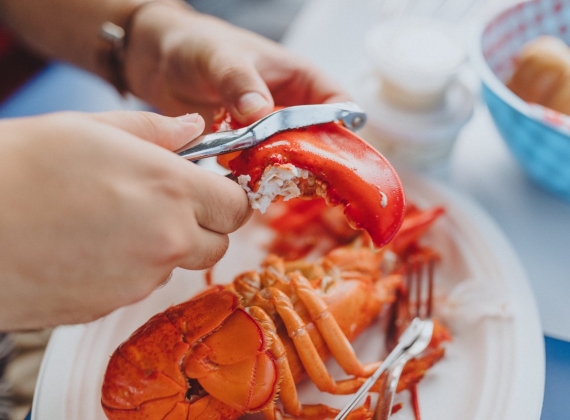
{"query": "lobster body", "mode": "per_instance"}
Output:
(230, 349)
(145, 376)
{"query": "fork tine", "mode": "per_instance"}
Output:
(414, 276)
(419, 283)
(420, 270)
(415, 292)
(429, 301)
(417, 295)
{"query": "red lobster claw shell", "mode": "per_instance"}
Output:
(350, 171)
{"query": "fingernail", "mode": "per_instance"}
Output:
(188, 118)
(250, 102)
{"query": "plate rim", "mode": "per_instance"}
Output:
(529, 381)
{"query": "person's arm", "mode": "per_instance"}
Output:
(94, 216)
(64, 29)
(176, 59)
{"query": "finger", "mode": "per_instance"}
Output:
(220, 204)
(209, 248)
(323, 89)
(170, 133)
(242, 90)
(174, 106)
(163, 281)
(307, 85)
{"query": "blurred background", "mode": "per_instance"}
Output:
(270, 18)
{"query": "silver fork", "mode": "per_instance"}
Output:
(418, 303)
(413, 340)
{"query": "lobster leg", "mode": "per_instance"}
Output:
(288, 392)
(312, 362)
(335, 339)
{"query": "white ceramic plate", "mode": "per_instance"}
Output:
(493, 369)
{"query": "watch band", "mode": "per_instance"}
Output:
(114, 36)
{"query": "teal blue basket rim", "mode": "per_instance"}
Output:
(495, 84)
(539, 177)
(553, 130)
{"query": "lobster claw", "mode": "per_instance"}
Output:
(329, 161)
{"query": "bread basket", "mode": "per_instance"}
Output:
(537, 136)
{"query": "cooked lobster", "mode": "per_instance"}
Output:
(234, 349)
(240, 348)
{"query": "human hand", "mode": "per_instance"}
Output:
(180, 60)
(93, 218)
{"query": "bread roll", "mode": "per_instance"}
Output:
(542, 73)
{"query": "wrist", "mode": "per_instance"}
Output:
(116, 37)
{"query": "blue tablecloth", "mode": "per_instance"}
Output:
(557, 388)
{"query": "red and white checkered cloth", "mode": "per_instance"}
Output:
(504, 37)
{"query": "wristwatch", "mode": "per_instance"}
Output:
(114, 35)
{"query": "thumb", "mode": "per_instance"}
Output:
(244, 93)
(168, 132)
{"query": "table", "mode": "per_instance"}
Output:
(330, 32)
